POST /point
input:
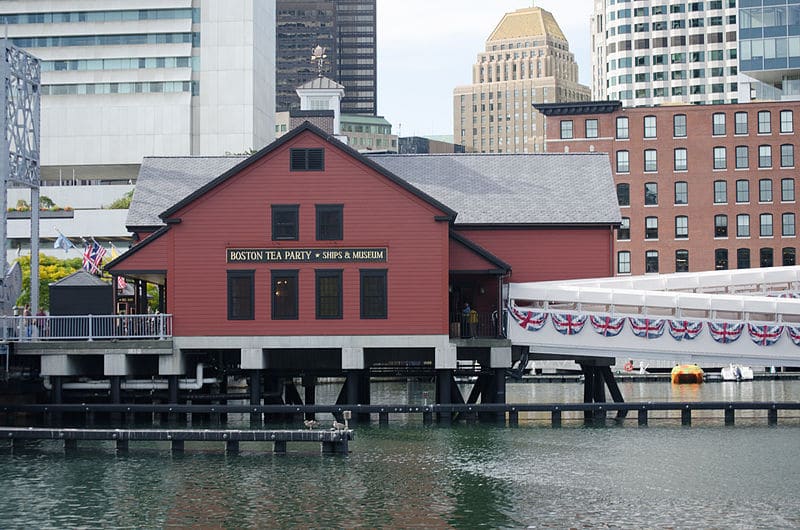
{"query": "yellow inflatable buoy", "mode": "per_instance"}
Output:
(687, 374)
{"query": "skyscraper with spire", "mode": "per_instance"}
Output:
(526, 61)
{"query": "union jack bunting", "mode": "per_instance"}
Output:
(529, 320)
(764, 335)
(607, 326)
(725, 332)
(794, 334)
(647, 328)
(568, 324)
(685, 329)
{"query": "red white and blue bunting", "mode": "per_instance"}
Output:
(648, 328)
(794, 334)
(529, 320)
(764, 335)
(685, 329)
(567, 323)
(725, 332)
(653, 328)
(607, 326)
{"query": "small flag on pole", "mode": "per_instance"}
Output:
(63, 242)
(121, 283)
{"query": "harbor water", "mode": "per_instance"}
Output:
(465, 476)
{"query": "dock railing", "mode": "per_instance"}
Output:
(85, 327)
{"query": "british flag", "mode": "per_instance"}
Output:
(529, 320)
(725, 332)
(607, 326)
(685, 329)
(647, 328)
(568, 324)
(764, 335)
(794, 334)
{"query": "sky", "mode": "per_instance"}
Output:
(426, 48)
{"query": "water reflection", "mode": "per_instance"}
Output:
(409, 475)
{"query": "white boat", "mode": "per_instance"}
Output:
(737, 372)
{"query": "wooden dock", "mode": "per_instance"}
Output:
(331, 441)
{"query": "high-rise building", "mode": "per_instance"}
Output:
(121, 81)
(125, 79)
(347, 30)
(652, 52)
(769, 49)
(527, 60)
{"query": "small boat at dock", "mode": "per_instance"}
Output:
(686, 374)
(737, 372)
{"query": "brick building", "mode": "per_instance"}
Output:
(699, 187)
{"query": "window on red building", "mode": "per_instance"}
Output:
(721, 225)
(651, 261)
(682, 260)
(789, 257)
(743, 258)
(285, 221)
(329, 222)
(241, 295)
(721, 259)
(329, 293)
(373, 293)
(284, 294)
(765, 257)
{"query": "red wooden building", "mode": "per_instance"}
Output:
(309, 259)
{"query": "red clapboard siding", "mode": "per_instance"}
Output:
(153, 259)
(541, 254)
(377, 213)
(465, 259)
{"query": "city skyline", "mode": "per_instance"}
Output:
(416, 76)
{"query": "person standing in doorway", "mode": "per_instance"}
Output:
(465, 320)
(473, 323)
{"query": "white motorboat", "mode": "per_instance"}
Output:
(737, 372)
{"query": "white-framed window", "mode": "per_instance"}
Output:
(623, 262)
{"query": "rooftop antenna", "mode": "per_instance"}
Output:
(318, 56)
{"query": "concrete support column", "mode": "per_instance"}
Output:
(352, 358)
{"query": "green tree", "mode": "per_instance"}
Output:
(123, 203)
(51, 269)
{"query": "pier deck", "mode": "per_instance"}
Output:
(332, 441)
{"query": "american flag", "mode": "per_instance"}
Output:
(568, 324)
(607, 326)
(725, 332)
(764, 335)
(647, 328)
(529, 320)
(685, 329)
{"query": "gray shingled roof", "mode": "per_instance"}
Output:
(575, 188)
(549, 188)
(163, 181)
(80, 278)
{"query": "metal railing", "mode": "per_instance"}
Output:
(85, 327)
(487, 326)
